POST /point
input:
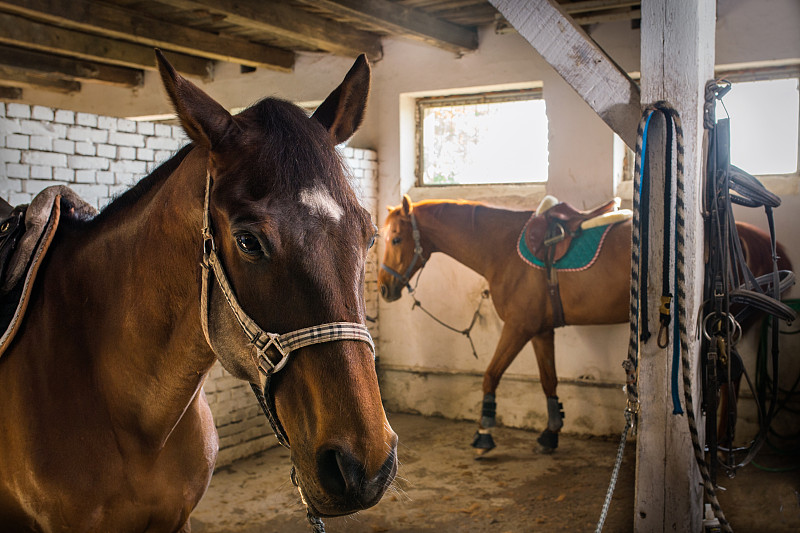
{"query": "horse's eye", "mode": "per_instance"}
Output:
(248, 243)
(396, 241)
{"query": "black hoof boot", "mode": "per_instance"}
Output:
(548, 441)
(483, 442)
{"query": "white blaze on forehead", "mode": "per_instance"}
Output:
(321, 202)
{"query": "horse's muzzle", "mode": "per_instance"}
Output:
(346, 485)
(391, 292)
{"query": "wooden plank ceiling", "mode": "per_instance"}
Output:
(59, 45)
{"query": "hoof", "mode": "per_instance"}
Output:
(548, 442)
(483, 442)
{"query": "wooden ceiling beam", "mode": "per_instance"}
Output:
(22, 32)
(20, 77)
(10, 93)
(69, 68)
(609, 16)
(404, 21)
(284, 21)
(597, 5)
(125, 24)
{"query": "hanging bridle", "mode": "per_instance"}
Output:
(405, 277)
(265, 343)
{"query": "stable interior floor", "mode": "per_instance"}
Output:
(441, 487)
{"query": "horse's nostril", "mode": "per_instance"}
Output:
(340, 473)
(384, 291)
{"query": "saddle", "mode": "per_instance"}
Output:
(549, 233)
(26, 232)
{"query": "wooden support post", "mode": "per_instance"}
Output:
(579, 60)
(677, 60)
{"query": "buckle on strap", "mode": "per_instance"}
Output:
(286, 343)
(273, 341)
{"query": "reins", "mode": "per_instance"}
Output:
(730, 281)
(266, 345)
(405, 279)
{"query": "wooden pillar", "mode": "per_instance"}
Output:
(677, 59)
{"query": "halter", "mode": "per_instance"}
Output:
(265, 343)
(406, 276)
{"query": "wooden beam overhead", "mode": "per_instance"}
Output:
(22, 32)
(10, 93)
(597, 5)
(609, 16)
(69, 68)
(284, 21)
(20, 77)
(128, 25)
(607, 89)
(404, 21)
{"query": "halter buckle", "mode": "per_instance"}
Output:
(208, 241)
(274, 341)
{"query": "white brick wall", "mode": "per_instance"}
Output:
(100, 157)
(95, 155)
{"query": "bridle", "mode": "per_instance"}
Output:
(405, 277)
(265, 343)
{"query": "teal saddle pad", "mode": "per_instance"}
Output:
(582, 252)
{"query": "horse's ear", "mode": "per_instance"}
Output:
(343, 110)
(205, 121)
(407, 205)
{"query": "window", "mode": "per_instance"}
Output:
(482, 139)
(764, 125)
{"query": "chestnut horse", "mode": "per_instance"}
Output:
(485, 239)
(103, 420)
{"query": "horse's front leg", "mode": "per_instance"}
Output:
(544, 348)
(511, 342)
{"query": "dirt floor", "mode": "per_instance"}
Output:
(441, 488)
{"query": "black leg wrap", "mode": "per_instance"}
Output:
(483, 441)
(488, 411)
(548, 441)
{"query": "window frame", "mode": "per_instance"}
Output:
(768, 73)
(485, 97)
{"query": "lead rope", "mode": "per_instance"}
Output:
(630, 365)
(467, 332)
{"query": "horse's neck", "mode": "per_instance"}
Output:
(143, 262)
(473, 234)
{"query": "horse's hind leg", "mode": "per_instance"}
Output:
(544, 348)
(511, 342)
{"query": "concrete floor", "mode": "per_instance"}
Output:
(441, 488)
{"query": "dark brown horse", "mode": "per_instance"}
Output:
(103, 421)
(485, 239)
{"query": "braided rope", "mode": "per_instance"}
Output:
(630, 364)
(615, 473)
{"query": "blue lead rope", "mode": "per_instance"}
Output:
(676, 347)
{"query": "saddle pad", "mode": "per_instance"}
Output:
(582, 253)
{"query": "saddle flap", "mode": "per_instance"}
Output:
(33, 227)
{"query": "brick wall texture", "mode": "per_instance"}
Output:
(99, 158)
